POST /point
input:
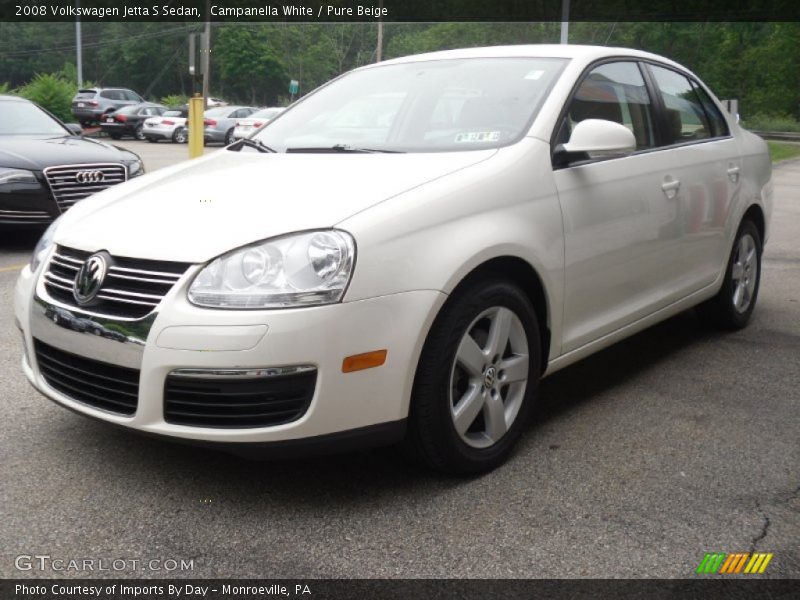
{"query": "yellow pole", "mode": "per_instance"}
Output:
(195, 126)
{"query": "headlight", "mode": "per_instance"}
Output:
(135, 169)
(17, 180)
(301, 269)
(43, 245)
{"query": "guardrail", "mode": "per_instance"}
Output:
(784, 136)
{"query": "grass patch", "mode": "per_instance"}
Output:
(779, 151)
(759, 122)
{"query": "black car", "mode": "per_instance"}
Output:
(129, 120)
(45, 167)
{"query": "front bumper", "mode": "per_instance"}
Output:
(181, 336)
(35, 207)
(214, 135)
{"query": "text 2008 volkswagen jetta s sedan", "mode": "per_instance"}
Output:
(402, 254)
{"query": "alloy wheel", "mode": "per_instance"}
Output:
(744, 273)
(488, 377)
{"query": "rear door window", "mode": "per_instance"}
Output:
(719, 128)
(686, 118)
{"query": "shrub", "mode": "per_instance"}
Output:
(4, 88)
(51, 92)
(763, 122)
(174, 100)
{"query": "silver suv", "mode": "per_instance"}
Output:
(90, 104)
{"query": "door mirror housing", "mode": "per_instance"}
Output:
(596, 138)
(74, 128)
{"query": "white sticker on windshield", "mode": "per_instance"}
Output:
(478, 136)
(535, 74)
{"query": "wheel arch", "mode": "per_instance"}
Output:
(524, 275)
(755, 214)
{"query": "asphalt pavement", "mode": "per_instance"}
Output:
(676, 442)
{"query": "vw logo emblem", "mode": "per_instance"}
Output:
(89, 176)
(90, 278)
(490, 377)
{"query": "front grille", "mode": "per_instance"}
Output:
(238, 403)
(25, 216)
(132, 288)
(67, 188)
(98, 384)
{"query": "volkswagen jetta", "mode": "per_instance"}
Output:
(402, 255)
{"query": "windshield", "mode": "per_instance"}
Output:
(428, 106)
(24, 118)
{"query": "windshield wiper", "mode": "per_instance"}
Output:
(257, 144)
(343, 148)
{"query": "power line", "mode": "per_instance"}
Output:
(72, 47)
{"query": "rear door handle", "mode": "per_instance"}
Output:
(670, 187)
(733, 173)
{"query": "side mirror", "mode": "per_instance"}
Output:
(597, 138)
(75, 128)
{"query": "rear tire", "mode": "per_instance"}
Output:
(138, 133)
(180, 136)
(476, 379)
(229, 137)
(733, 305)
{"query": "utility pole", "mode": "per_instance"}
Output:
(79, 47)
(564, 21)
(379, 49)
(206, 46)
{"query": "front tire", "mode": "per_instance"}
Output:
(733, 305)
(138, 133)
(476, 379)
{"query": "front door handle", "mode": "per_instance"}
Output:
(733, 172)
(670, 186)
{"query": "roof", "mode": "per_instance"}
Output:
(574, 51)
(13, 98)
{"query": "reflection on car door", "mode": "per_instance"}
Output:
(704, 163)
(618, 221)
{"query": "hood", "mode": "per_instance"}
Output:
(37, 153)
(199, 209)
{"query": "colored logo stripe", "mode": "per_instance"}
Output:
(734, 563)
(758, 563)
(711, 563)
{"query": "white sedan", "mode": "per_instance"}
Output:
(244, 127)
(403, 255)
(169, 126)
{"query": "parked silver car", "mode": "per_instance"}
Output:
(220, 122)
(244, 127)
(90, 104)
(169, 126)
